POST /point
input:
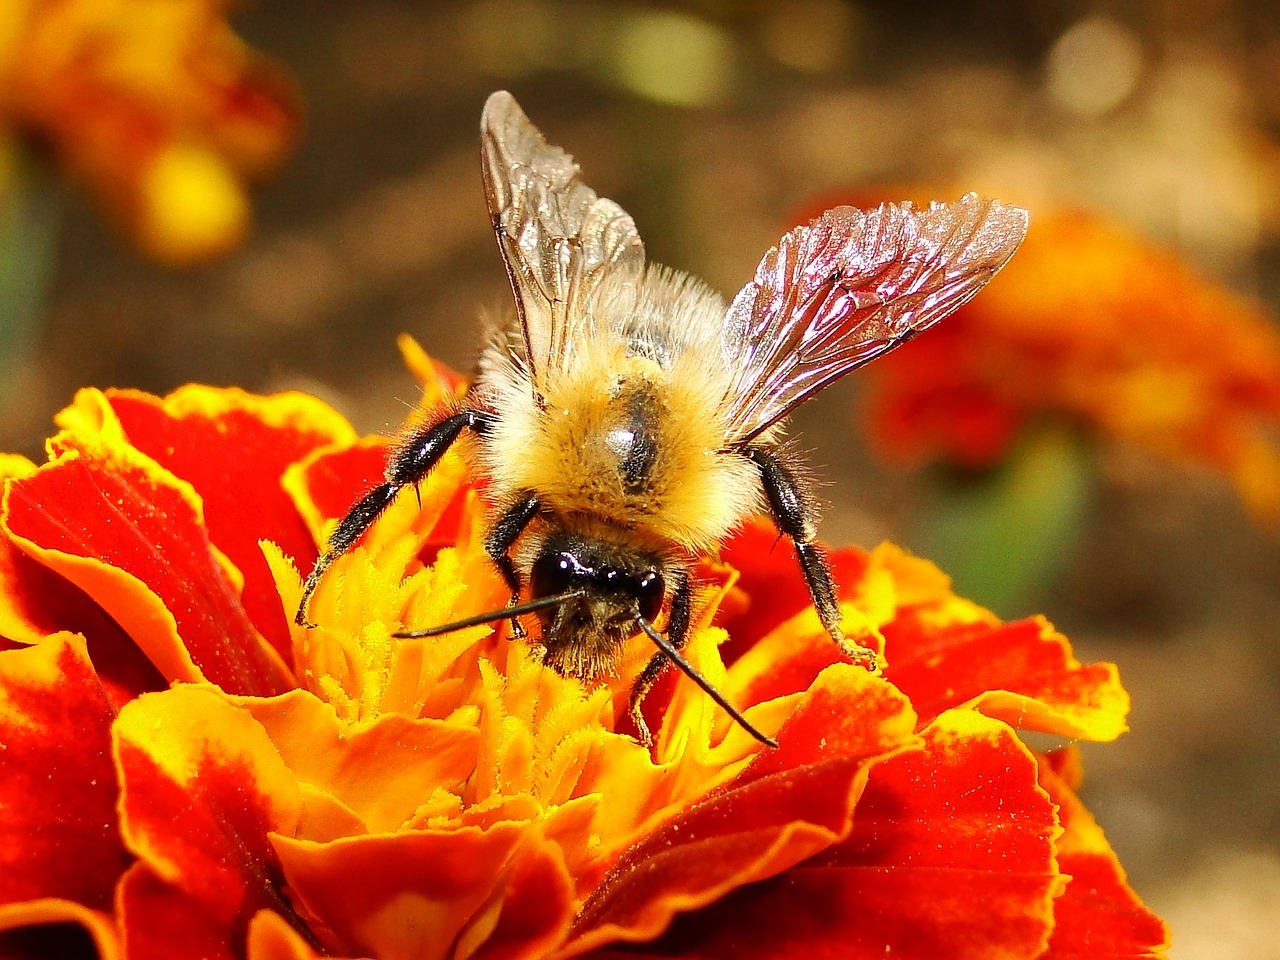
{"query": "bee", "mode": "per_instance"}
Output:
(627, 418)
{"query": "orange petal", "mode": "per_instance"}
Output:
(440, 384)
(532, 912)
(271, 938)
(130, 535)
(375, 770)
(58, 834)
(201, 789)
(786, 805)
(234, 448)
(422, 891)
(951, 854)
(1021, 672)
(40, 929)
(1099, 915)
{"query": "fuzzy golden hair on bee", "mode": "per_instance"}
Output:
(627, 418)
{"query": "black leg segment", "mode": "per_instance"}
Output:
(793, 514)
(504, 533)
(502, 536)
(409, 463)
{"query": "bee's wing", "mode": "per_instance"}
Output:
(558, 239)
(849, 287)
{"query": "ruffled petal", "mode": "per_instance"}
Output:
(786, 805)
(234, 448)
(202, 787)
(1020, 672)
(1098, 916)
(423, 891)
(58, 832)
(377, 770)
(131, 535)
(936, 832)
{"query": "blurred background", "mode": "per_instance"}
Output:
(718, 125)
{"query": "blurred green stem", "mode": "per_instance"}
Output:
(1006, 534)
(30, 215)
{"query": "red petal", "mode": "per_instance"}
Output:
(326, 485)
(1021, 672)
(161, 922)
(36, 603)
(234, 449)
(787, 805)
(58, 831)
(950, 855)
(129, 535)
(202, 786)
(772, 584)
(1099, 916)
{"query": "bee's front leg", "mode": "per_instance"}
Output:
(792, 511)
(502, 537)
(410, 462)
(678, 635)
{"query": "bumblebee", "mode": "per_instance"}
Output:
(627, 419)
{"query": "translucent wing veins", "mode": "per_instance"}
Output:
(849, 287)
(558, 239)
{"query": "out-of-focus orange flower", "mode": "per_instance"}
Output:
(155, 105)
(1093, 324)
(185, 773)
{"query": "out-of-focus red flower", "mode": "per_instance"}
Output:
(186, 773)
(155, 105)
(1093, 324)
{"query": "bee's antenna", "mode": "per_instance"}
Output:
(512, 611)
(678, 659)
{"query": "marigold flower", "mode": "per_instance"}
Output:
(1092, 324)
(184, 772)
(156, 105)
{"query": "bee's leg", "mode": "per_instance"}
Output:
(502, 536)
(411, 460)
(678, 635)
(793, 514)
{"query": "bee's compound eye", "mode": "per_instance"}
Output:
(552, 573)
(649, 593)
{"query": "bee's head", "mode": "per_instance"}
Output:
(612, 583)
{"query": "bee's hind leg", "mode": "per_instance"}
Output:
(793, 513)
(499, 541)
(410, 462)
(678, 635)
